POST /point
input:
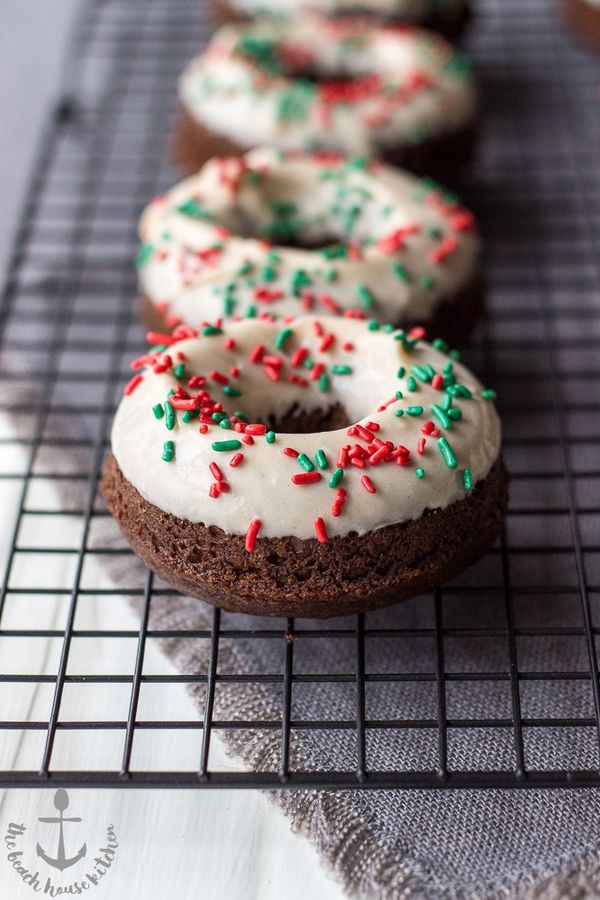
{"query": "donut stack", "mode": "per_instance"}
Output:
(290, 444)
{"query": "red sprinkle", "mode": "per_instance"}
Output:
(421, 446)
(299, 356)
(236, 460)
(257, 353)
(256, 429)
(132, 384)
(306, 478)
(157, 337)
(216, 472)
(289, 451)
(437, 382)
(368, 484)
(321, 531)
(253, 529)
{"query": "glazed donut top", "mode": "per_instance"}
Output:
(192, 433)
(395, 246)
(407, 10)
(377, 87)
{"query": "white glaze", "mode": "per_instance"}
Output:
(192, 288)
(227, 92)
(409, 10)
(261, 487)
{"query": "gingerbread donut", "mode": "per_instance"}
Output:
(449, 17)
(348, 86)
(284, 234)
(315, 468)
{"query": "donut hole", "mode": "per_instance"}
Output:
(300, 421)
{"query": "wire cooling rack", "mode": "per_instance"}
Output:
(504, 656)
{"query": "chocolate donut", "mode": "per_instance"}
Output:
(227, 480)
(584, 17)
(348, 86)
(287, 234)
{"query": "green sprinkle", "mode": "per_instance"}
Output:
(401, 372)
(336, 477)
(411, 384)
(420, 473)
(440, 415)
(305, 461)
(330, 275)
(168, 453)
(143, 255)
(246, 268)
(169, 416)
(373, 325)
(300, 280)
(158, 411)
(467, 479)
(421, 373)
(282, 337)
(193, 209)
(365, 297)
(269, 273)
(399, 413)
(447, 453)
(231, 391)
(225, 423)
(459, 390)
(341, 370)
(210, 330)
(455, 414)
(324, 383)
(270, 437)
(414, 410)
(179, 370)
(401, 272)
(226, 445)
(190, 414)
(426, 282)
(447, 402)
(489, 394)
(321, 459)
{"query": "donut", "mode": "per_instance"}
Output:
(319, 467)
(285, 234)
(449, 17)
(401, 94)
(584, 17)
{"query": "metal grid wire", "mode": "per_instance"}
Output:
(529, 612)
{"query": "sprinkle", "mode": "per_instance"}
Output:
(168, 451)
(158, 337)
(158, 411)
(253, 529)
(365, 297)
(210, 330)
(341, 370)
(169, 416)
(414, 410)
(368, 484)
(321, 459)
(489, 394)
(447, 453)
(400, 272)
(326, 343)
(306, 463)
(216, 472)
(321, 531)
(420, 473)
(324, 383)
(231, 391)
(144, 254)
(270, 437)
(441, 416)
(282, 337)
(257, 429)
(257, 353)
(306, 478)
(336, 477)
(421, 446)
(289, 451)
(132, 384)
(467, 479)
(236, 460)
(226, 445)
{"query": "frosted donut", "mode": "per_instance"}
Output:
(446, 16)
(390, 247)
(227, 482)
(347, 86)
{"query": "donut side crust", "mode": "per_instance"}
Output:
(450, 27)
(443, 158)
(287, 576)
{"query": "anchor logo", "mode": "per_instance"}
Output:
(61, 861)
